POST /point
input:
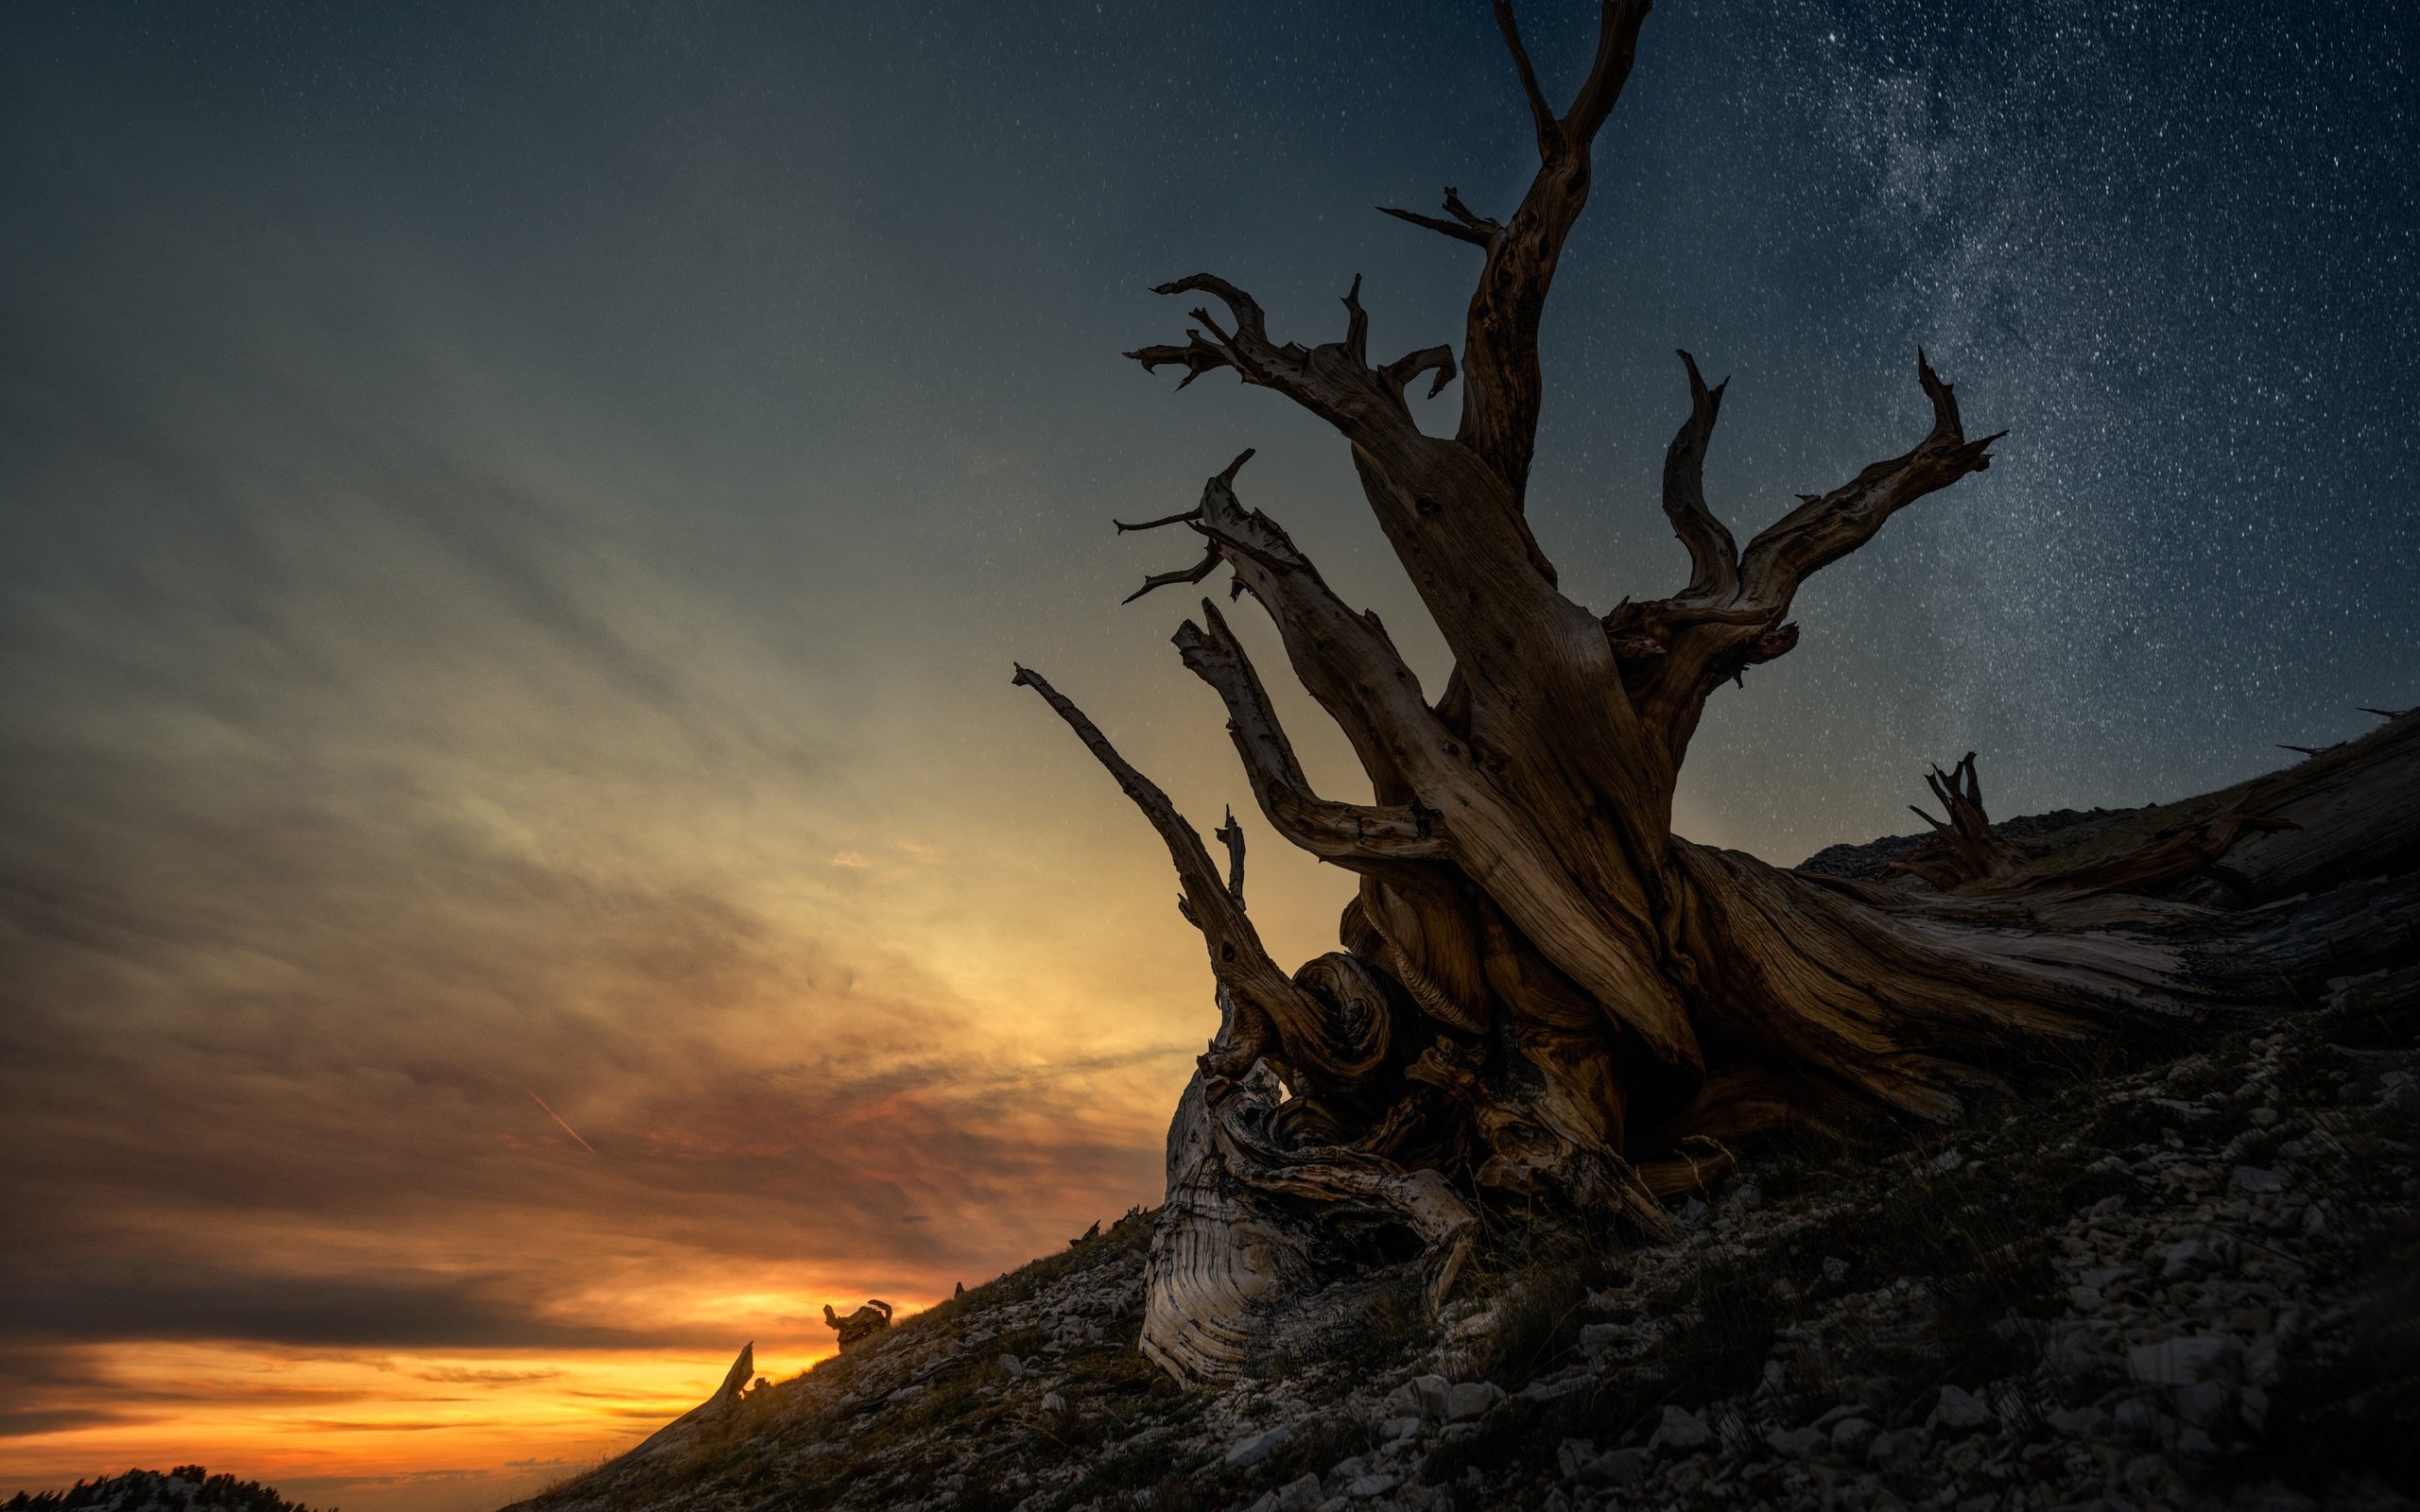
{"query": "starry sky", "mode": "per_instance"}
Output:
(518, 518)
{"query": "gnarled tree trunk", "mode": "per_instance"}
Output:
(1544, 997)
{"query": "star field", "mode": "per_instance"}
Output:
(519, 518)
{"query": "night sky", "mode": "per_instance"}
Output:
(518, 518)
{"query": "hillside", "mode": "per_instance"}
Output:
(186, 1488)
(2179, 1274)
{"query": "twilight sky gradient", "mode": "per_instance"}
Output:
(517, 520)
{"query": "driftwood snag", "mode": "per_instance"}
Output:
(1545, 1000)
(1963, 846)
(865, 1323)
(706, 1419)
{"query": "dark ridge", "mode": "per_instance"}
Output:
(1866, 862)
(186, 1488)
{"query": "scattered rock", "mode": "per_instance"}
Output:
(1580, 1464)
(2207, 1263)
(1893, 1449)
(2079, 1423)
(1682, 1432)
(1623, 1467)
(1795, 1443)
(1574, 1458)
(2186, 1260)
(2141, 1419)
(1850, 1437)
(1259, 1447)
(1959, 1412)
(2184, 1362)
(2201, 1404)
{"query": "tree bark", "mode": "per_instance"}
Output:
(1545, 1000)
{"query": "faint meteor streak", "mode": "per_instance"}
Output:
(559, 1119)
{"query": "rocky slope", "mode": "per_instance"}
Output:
(2185, 1279)
(2154, 1275)
(186, 1488)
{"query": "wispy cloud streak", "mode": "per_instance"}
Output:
(558, 1122)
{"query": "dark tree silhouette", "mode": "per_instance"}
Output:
(1546, 999)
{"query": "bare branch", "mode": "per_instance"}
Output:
(1236, 952)
(1246, 352)
(1211, 555)
(1194, 513)
(1467, 225)
(1616, 51)
(1552, 141)
(1196, 357)
(1251, 321)
(1401, 372)
(1730, 617)
(1208, 564)
(1823, 529)
(1333, 381)
(1713, 557)
(1501, 384)
(1468, 216)
(1343, 832)
(1232, 835)
(1443, 227)
(1344, 662)
(1313, 1037)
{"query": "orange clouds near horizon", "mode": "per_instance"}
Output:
(518, 520)
(388, 1433)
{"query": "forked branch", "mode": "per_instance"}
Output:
(1732, 613)
(1275, 1016)
(1501, 384)
(1439, 360)
(1210, 555)
(1336, 832)
(1208, 564)
(1248, 352)
(1713, 557)
(1342, 658)
(1467, 224)
(1966, 850)
(1823, 529)
(1334, 381)
(1237, 956)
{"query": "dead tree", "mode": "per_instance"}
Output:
(868, 1322)
(1545, 998)
(1964, 847)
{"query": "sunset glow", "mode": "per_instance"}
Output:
(378, 1431)
(522, 869)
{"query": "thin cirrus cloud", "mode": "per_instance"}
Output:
(518, 522)
(360, 844)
